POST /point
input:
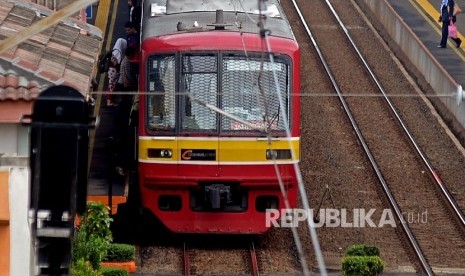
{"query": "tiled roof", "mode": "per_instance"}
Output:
(63, 54)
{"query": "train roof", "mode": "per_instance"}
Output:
(165, 17)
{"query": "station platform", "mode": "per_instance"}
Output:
(104, 179)
(422, 18)
(110, 16)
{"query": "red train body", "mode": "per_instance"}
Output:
(202, 171)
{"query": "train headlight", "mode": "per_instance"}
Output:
(271, 154)
(278, 154)
(159, 153)
(166, 153)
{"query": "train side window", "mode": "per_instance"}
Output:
(161, 104)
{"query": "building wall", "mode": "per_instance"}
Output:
(23, 141)
(15, 235)
(20, 235)
(14, 139)
(4, 224)
(9, 138)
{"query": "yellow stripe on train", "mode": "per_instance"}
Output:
(228, 150)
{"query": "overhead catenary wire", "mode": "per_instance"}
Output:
(261, 93)
(264, 36)
(267, 48)
(313, 95)
(300, 183)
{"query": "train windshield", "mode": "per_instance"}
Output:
(222, 93)
(184, 6)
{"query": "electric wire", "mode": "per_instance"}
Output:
(265, 42)
(313, 95)
(298, 173)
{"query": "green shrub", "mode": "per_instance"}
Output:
(83, 268)
(93, 237)
(362, 265)
(111, 271)
(119, 252)
(362, 250)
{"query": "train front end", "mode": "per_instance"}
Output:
(219, 135)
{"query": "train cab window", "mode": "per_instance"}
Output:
(161, 112)
(250, 92)
(181, 86)
(199, 81)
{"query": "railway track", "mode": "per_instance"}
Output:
(390, 147)
(214, 255)
(249, 258)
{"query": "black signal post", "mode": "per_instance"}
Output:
(59, 138)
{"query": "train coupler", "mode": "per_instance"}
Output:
(218, 195)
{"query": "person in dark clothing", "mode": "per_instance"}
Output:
(132, 36)
(133, 40)
(135, 14)
(127, 82)
(447, 14)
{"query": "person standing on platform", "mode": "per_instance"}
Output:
(113, 71)
(128, 78)
(133, 40)
(127, 83)
(447, 14)
(135, 13)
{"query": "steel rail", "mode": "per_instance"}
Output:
(360, 137)
(253, 258)
(186, 259)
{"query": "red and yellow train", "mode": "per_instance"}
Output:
(204, 171)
